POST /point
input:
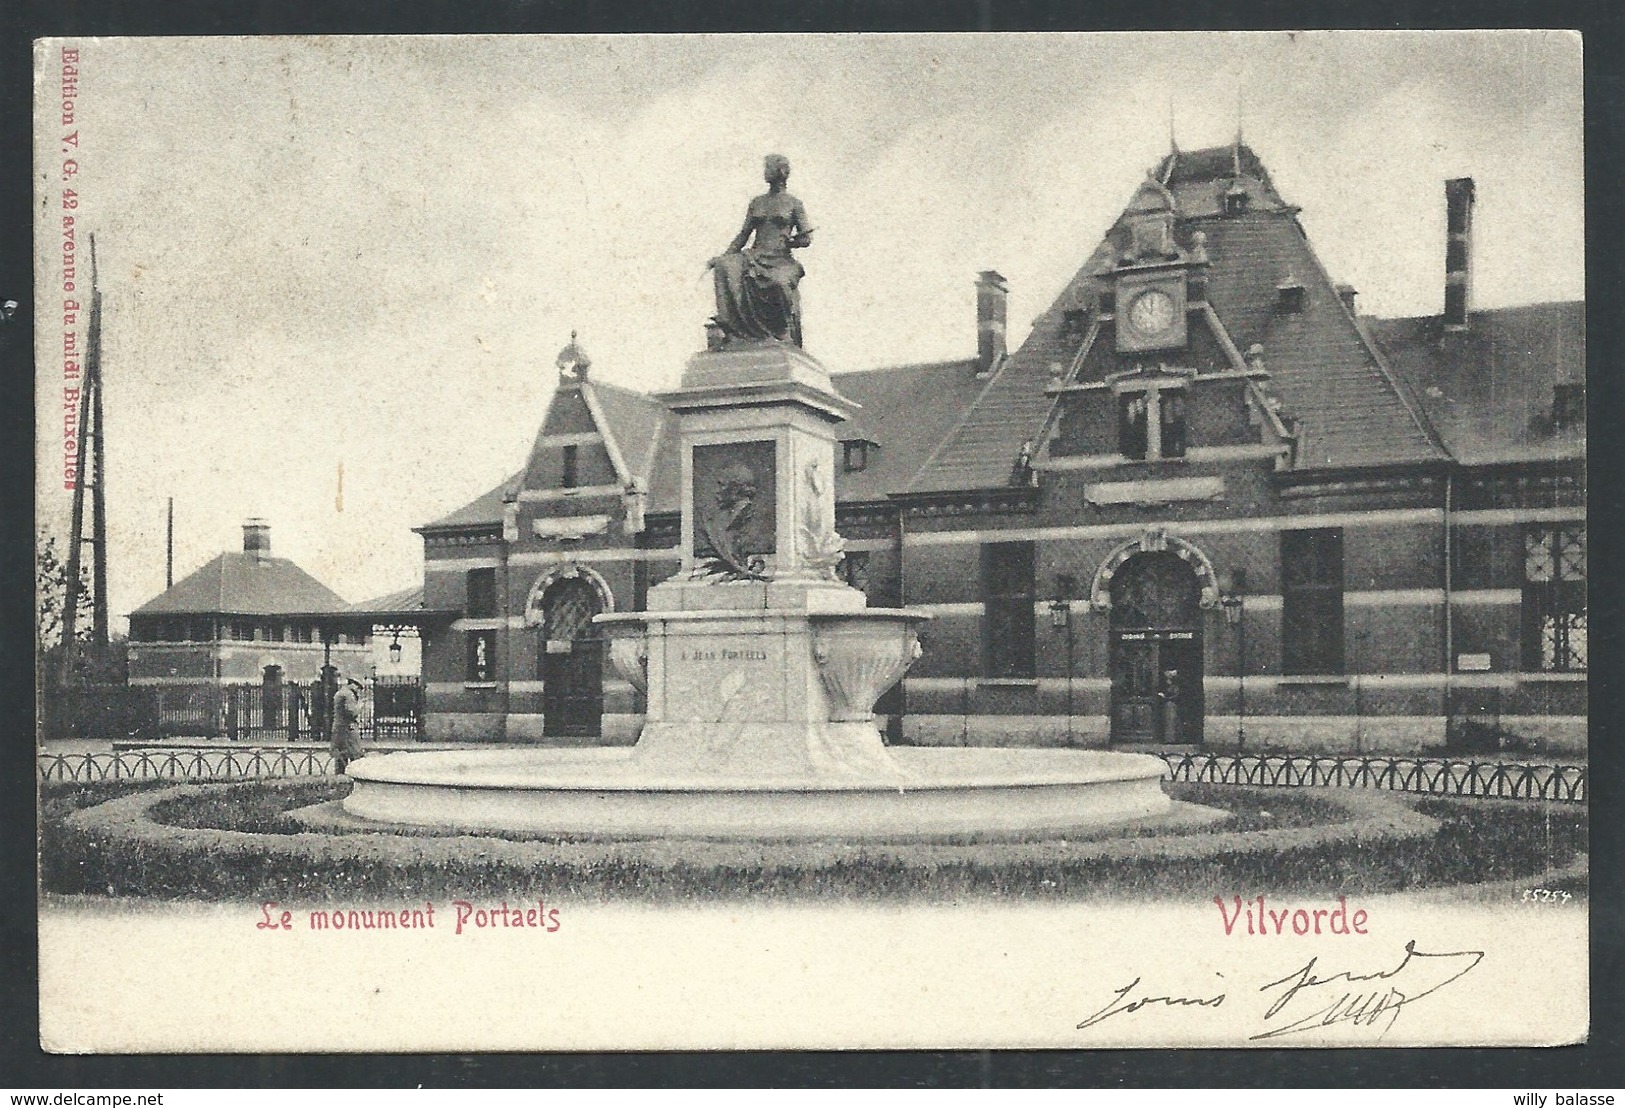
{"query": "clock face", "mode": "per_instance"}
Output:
(1152, 312)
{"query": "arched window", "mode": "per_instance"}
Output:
(567, 610)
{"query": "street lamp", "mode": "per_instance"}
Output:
(1233, 600)
(1060, 609)
(395, 649)
(1060, 618)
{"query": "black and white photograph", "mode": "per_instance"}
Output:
(945, 541)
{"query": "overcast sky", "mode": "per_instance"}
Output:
(368, 251)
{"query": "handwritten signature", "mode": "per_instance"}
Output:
(1365, 1005)
(1306, 1001)
(1120, 1003)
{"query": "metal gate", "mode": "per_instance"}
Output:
(268, 712)
(394, 710)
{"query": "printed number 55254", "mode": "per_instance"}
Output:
(1547, 896)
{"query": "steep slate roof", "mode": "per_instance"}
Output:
(1489, 390)
(1200, 178)
(637, 422)
(239, 583)
(1352, 411)
(907, 410)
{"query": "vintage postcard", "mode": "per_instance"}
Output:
(557, 543)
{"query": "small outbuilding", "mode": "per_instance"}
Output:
(221, 643)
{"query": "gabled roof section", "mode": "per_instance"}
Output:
(238, 583)
(634, 422)
(639, 435)
(1489, 390)
(1352, 411)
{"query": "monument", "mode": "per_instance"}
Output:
(759, 666)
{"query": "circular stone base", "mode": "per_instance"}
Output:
(604, 793)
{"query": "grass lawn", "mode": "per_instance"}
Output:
(237, 841)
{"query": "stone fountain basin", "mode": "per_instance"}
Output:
(605, 793)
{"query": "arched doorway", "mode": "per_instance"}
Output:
(570, 659)
(1156, 651)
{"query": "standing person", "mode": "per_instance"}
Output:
(346, 725)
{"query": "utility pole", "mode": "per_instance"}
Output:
(169, 548)
(90, 442)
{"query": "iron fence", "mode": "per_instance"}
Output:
(182, 765)
(1435, 776)
(390, 708)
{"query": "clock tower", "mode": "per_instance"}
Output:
(1149, 275)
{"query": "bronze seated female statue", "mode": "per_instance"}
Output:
(757, 285)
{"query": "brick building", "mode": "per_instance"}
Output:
(244, 619)
(1205, 502)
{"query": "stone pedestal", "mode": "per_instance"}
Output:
(765, 693)
(756, 422)
(756, 661)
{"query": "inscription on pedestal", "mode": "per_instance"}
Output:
(724, 655)
(724, 677)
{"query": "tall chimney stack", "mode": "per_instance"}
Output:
(1458, 252)
(992, 294)
(257, 538)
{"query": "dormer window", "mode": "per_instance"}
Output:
(1172, 414)
(1150, 224)
(1133, 436)
(1290, 297)
(855, 454)
(1153, 236)
(1235, 200)
(1568, 405)
(1151, 423)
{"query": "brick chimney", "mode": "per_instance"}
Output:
(257, 538)
(992, 295)
(1458, 252)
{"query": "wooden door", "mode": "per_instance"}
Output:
(1136, 715)
(1156, 652)
(572, 661)
(573, 690)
